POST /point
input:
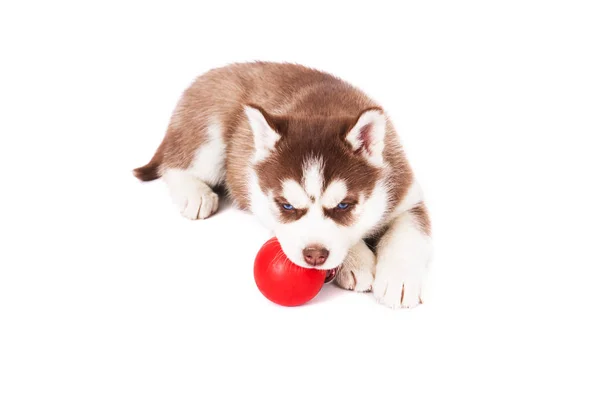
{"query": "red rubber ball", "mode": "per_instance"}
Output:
(283, 282)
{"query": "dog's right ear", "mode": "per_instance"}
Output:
(264, 131)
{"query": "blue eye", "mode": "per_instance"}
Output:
(342, 206)
(287, 207)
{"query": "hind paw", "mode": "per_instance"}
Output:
(200, 206)
(194, 198)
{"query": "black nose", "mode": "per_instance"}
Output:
(315, 255)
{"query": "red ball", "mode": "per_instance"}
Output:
(283, 282)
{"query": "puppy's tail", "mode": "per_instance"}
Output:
(151, 171)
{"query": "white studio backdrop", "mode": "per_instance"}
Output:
(106, 290)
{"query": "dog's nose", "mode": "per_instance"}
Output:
(315, 255)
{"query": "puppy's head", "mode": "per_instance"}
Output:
(319, 182)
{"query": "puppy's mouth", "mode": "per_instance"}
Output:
(331, 273)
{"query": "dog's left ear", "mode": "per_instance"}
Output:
(367, 135)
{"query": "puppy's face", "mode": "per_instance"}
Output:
(320, 182)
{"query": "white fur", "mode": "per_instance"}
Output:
(295, 195)
(315, 228)
(189, 187)
(358, 269)
(265, 137)
(334, 194)
(209, 161)
(312, 228)
(371, 211)
(194, 198)
(413, 196)
(312, 172)
(403, 256)
(261, 204)
(374, 150)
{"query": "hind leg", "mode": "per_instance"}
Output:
(190, 187)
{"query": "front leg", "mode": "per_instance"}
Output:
(358, 269)
(403, 255)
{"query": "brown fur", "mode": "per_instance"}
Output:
(149, 172)
(422, 216)
(307, 107)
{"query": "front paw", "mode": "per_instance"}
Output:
(356, 273)
(396, 287)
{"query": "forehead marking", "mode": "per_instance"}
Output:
(294, 194)
(334, 194)
(312, 176)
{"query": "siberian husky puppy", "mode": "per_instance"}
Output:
(315, 159)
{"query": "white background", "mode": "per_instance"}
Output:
(105, 290)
